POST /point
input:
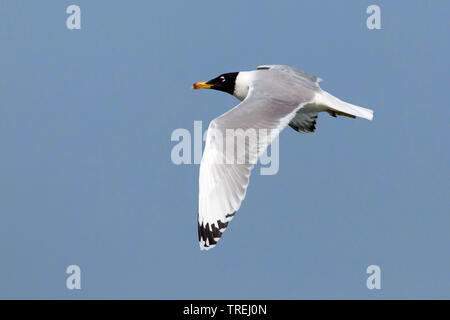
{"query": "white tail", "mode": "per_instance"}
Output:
(340, 107)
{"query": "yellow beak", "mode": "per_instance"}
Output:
(201, 85)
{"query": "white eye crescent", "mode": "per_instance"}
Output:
(222, 78)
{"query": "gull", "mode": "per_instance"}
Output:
(272, 97)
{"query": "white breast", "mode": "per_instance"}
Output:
(242, 84)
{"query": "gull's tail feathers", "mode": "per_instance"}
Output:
(335, 106)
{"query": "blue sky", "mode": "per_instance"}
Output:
(86, 176)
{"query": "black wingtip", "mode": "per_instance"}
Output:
(209, 235)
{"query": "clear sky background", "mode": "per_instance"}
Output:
(86, 176)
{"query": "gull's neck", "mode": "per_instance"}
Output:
(242, 84)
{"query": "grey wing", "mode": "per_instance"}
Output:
(306, 79)
(223, 183)
(304, 122)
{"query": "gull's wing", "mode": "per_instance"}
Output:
(272, 102)
(307, 80)
(304, 122)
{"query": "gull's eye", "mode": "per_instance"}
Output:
(222, 79)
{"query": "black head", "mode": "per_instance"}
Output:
(225, 82)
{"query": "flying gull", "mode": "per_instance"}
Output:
(273, 96)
